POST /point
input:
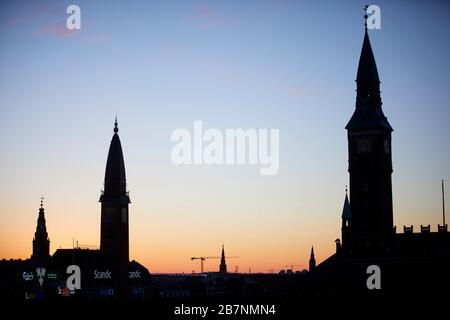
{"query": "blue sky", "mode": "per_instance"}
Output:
(160, 65)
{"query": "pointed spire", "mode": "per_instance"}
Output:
(367, 68)
(115, 177)
(368, 113)
(312, 260)
(223, 265)
(346, 211)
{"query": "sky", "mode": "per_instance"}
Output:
(160, 66)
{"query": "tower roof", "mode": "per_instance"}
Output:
(41, 228)
(115, 177)
(367, 67)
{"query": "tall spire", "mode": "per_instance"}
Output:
(115, 178)
(368, 111)
(223, 265)
(367, 68)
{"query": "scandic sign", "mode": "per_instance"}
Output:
(108, 274)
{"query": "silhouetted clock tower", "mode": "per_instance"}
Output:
(41, 242)
(370, 164)
(114, 245)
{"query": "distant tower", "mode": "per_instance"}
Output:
(312, 260)
(223, 265)
(114, 216)
(41, 243)
(370, 162)
(346, 224)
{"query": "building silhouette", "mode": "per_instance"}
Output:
(106, 273)
(411, 262)
(370, 163)
(114, 241)
(367, 220)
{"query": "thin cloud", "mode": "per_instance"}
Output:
(205, 18)
(58, 30)
(294, 90)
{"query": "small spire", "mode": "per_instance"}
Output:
(346, 211)
(223, 264)
(42, 202)
(116, 129)
(312, 260)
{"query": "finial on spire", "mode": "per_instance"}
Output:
(346, 189)
(116, 129)
(365, 16)
(42, 202)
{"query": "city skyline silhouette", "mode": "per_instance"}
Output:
(67, 136)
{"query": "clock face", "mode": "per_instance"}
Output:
(386, 146)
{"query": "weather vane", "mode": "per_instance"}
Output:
(365, 15)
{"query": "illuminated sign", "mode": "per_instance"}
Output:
(32, 295)
(27, 276)
(65, 292)
(106, 292)
(134, 274)
(138, 291)
(102, 274)
(40, 272)
(72, 283)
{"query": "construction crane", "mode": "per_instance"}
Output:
(202, 259)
